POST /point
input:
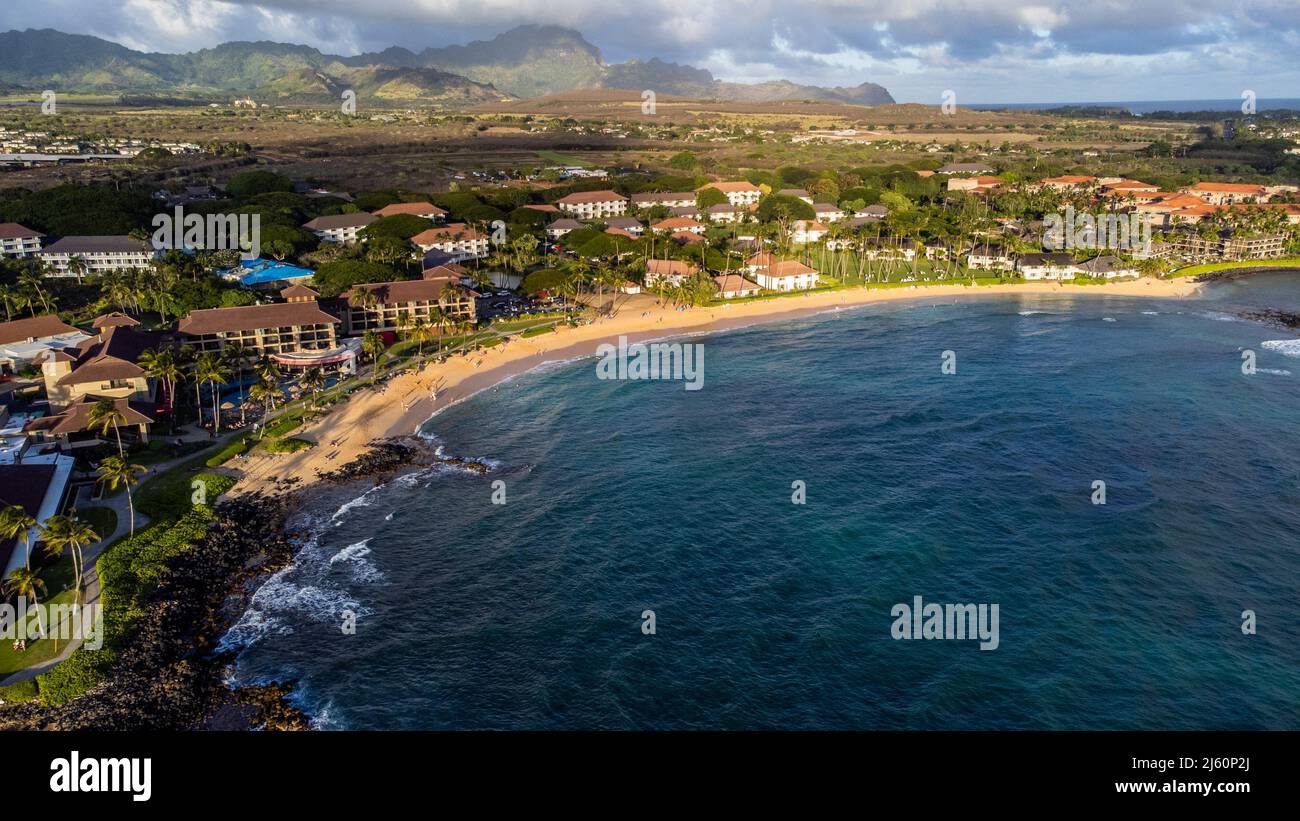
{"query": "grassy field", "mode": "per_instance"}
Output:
(1208, 268)
(59, 591)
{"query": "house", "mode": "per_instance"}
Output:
(674, 271)
(978, 183)
(630, 288)
(731, 286)
(722, 212)
(593, 204)
(826, 212)
(631, 225)
(97, 255)
(18, 241)
(102, 367)
(341, 228)
(785, 275)
(966, 168)
(25, 342)
(561, 227)
(687, 211)
(72, 425)
(427, 210)
(797, 193)
(1227, 193)
(293, 326)
(803, 231)
(1107, 267)
(1047, 266)
(678, 199)
(1068, 182)
(38, 485)
(740, 194)
(389, 306)
(990, 257)
(452, 238)
(674, 225)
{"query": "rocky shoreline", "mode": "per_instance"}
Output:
(1238, 273)
(1271, 316)
(169, 675)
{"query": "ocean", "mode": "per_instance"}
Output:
(976, 487)
(1141, 107)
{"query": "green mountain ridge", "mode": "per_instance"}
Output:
(526, 61)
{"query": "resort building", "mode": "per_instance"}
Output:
(38, 485)
(593, 204)
(455, 238)
(561, 227)
(1108, 267)
(1224, 247)
(786, 275)
(25, 342)
(990, 257)
(96, 255)
(1227, 193)
(1047, 266)
(103, 366)
(797, 193)
(293, 326)
(631, 225)
(18, 241)
(427, 210)
(72, 426)
(827, 212)
(680, 199)
(1068, 182)
(804, 231)
(341, 228)
(674, 271)
(723, 212)
(974, 184)
(731, 286)
(393, 306)
(673, 225)
(740, 194)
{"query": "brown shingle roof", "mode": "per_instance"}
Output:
(12, 230)
(251, 317)
(391, 293)
(417, 209)
(76, 417)
(336, 221)
(34, 327)
(456, 232)
(580, 197)
(113, 319)
(111, 355)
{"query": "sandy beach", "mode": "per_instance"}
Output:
(402, 404)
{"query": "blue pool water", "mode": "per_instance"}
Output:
(973, 487)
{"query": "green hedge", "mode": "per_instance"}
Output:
(22, 691)
(287, 445)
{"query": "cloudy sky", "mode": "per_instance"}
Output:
(985, 50)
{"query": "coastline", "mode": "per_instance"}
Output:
(401, 406)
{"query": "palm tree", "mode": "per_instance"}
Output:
(161, 364)
(105, 414)
(77, 267)
(313, 379)
(264, 393)
(23, 582)
(373, 344)
(209, 367)
(421, 332)
(116, 471)
(15, 521)
(68, 532)
(236, 354)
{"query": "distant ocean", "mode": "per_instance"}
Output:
(1140, 107)
(974, 487)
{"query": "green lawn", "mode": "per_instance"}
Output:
(59, 590)
(1197, 270)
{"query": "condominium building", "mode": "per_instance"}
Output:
(79, 256)
(593, 204)
(18, 240)
(293, 326)
(340, 228)
(389, 306)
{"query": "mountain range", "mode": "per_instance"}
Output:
(527, 61)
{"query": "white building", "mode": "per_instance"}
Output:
(456, 238)
(1048, 266)
(593, 204)
(97, 255)
(341, 228)
(18, 240)
(740, 194)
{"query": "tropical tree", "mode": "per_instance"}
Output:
(161, 364)
(422, 332)
(67, 532)
(105, 414)
(23, 582)
(373, 344)
(264, 393)
(211, 368)
(16, 522)
(312, 380)
(116, 472)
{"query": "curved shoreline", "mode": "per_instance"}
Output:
(404, 405)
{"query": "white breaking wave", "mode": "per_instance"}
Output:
(1273, 371)
(1286, 347)
(354, 555)
(1109, 319)
(1150, 313)
(1031, 313)
(363, 500)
